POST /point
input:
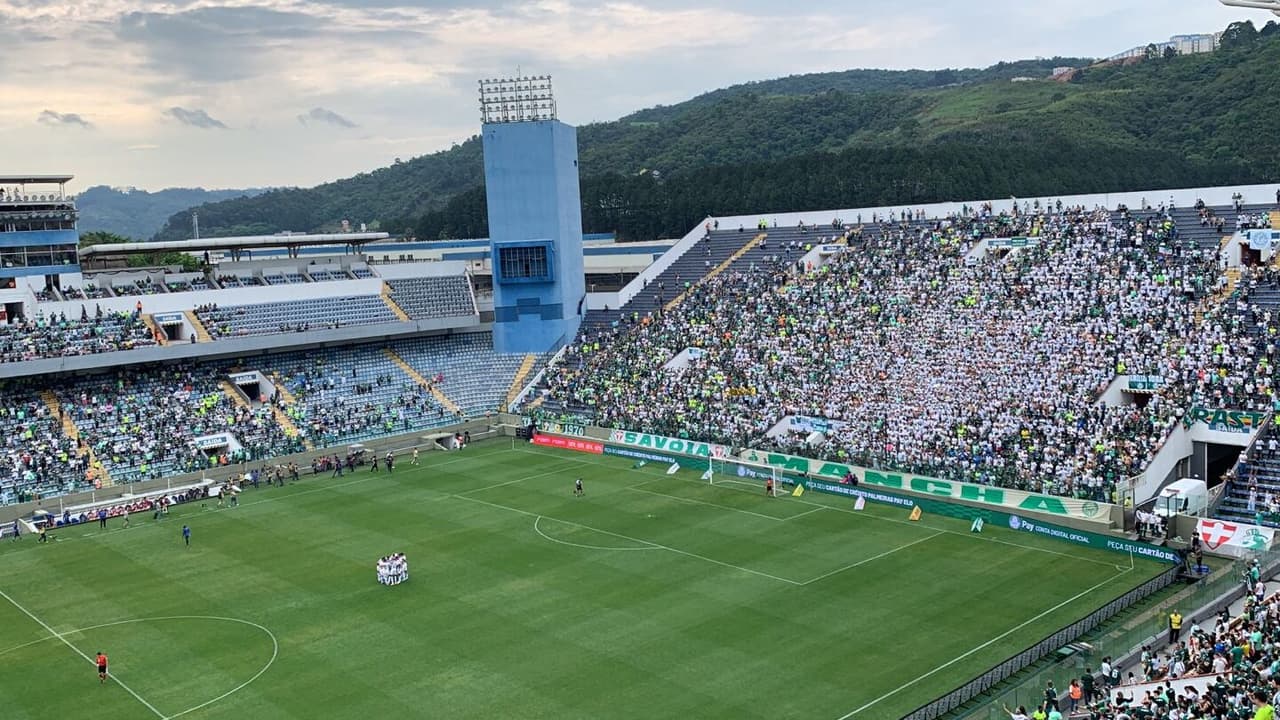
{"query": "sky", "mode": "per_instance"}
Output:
(255, 93)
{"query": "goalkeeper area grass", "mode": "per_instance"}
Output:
(652, 596)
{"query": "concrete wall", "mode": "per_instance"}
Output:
(244, 346)
(531, 180)
(1163, 468)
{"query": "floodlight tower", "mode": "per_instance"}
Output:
(535, 216)
(1272, 5)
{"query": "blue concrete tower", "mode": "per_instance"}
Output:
(535, 217)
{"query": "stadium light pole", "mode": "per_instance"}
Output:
(1272, 5)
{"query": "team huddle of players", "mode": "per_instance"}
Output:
(393, 569)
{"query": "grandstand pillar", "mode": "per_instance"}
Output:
(535, 217)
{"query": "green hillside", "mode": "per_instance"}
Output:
(855, 138)
(138, 214)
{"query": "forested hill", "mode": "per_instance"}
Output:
(855, 138)
(139, 214)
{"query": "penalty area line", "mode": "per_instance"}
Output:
(979, 648)
(76, 650)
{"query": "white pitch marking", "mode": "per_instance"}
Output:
(635, 540)
(704, 502)
(873, 557)
(76, 650)
(983, 646)
(275, 647)
(581, 545)
(512, 482)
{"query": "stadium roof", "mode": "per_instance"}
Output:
(244, 242)
(35, 179)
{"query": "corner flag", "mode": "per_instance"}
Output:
(639, 464)
(916, 512)
(976, 527)
(798, 491)
(674, 467)
(860, 503)
(707, 475)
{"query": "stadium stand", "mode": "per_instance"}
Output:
(938, 362)
(939, 358)
(434, 297)
(465, 368)
(354, 394)
(38, 458)
(60, 337)
(142, 422)
(1216, 670)
(293, 316)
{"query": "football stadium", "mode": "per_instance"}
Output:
(985, 458)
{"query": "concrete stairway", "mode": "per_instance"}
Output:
(417, 377)
(235, 394)
(202, 335)
(156, 332)
(395, 307)
(290, 429)
(69, 429)
(285, 394)
(517, 383)
(724, 265)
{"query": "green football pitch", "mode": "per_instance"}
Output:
(654, 596)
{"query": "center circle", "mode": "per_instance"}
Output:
(275, 648)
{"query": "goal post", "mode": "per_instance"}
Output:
(732, 471)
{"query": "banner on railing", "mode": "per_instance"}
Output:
(985, 494)
(1232, 421)
(1233, 538)
(1145, 382)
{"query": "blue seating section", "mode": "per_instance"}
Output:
(434, 297)
(295, 316)
(467, 369)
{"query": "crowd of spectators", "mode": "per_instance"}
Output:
(142, 422)
(37, 457)
(338, 404)
(1226, 668)
(60, 336)
(936, 359)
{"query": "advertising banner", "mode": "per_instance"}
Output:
(1016, 523)
(1233, 538)
(994, 496)
(662, 443)
(568, 443)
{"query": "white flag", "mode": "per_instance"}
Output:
(860, 503)
(707, 475)
(674, 467)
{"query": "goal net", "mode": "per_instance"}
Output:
(732, 471)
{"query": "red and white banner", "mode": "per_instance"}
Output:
(565, 443)
(1233, 538)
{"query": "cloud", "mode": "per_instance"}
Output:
(49, 117)
(324, 115)
(142, 148)
(195, 118)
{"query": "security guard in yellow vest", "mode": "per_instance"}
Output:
(1175, 627)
